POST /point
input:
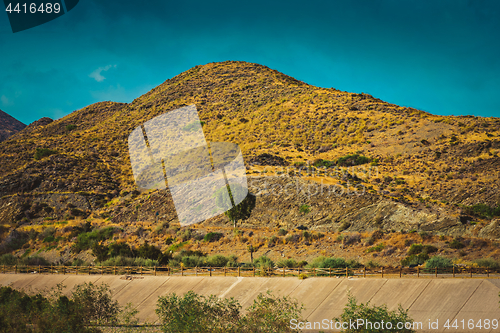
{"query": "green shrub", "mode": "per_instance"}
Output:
(8, 259)
(148, 251)
(263, 262)
(121, 249)
(79, 262)
(419, 248)
(288, 263)
(304, 209)
(270, 313)
(211, 314)
(438, 262)
(44, 152)
(372, 264)
(482, 210)
(34, 261)
(14, 241)
(217, 261)
(88, 307)
(86, 240)
(71, 127)
(376, 248)
(124, 261)
(282, 232)
(363, 313)
(332, 262)
(197, 313)
(488, 263)
(415, 259)
(47, 232)
(456, 244)
(323, 163)
(22, 313)
(96, 303)
(351, 160)
(212, 236)
(49, 239)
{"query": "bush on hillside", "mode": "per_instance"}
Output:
(44, 152)
(438, 262)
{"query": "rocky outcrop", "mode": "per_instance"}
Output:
(492, 230)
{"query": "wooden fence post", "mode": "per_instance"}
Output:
(283, 271)
(346, 272)
(141, 270)
(418, 271)
(453, 270)
(16, 268)
(114, 270)
(364, 271)
(436, 272)
(400, 270)
(239, 271)
(154, 270)
(253, 271)
(470, 269)
(182, 271)
(89, 269)
(40, 269)
(382, 271)
(329, 272)
(210, 270)
(487, 272)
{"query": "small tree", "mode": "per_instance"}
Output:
(96, 303)
(242, 210)
(251, 249)
(197, 313)
(270, 313)
(374, 314)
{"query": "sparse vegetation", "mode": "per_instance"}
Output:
(43, 152)
(373, 314)
(438, 262)
(268, 313)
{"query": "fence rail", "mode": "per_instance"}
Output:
(389, 272)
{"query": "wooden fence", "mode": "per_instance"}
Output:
(388, 272)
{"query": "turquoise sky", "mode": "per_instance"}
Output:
(442, 57)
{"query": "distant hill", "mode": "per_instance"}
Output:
(434, 170)
(9, 125)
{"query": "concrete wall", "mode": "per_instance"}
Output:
(428, 300)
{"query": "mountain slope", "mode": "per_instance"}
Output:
(437, 164)
(9, 125)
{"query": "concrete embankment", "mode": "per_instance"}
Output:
(428, 300)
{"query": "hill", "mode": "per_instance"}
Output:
(399, 169)
(9, 125)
